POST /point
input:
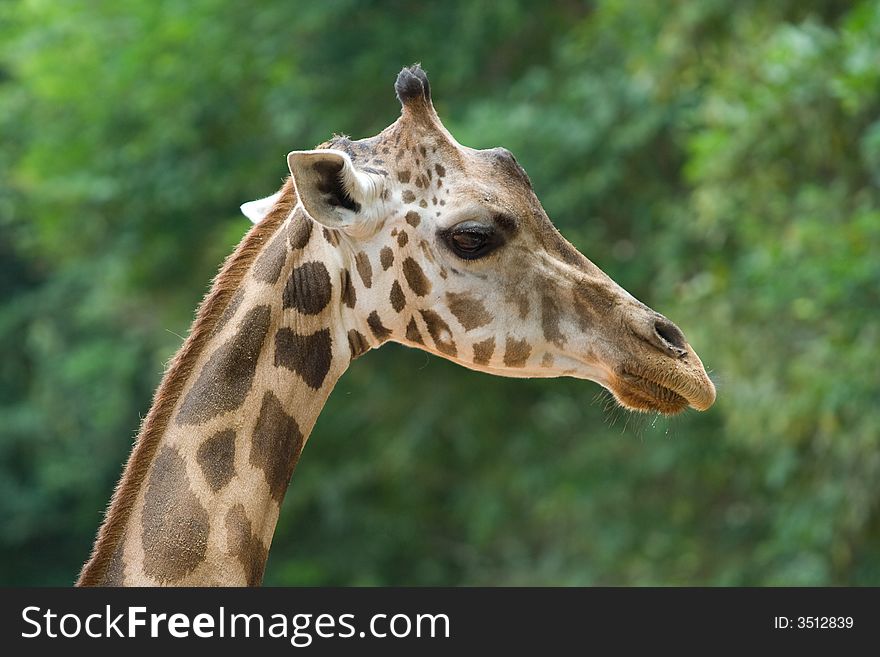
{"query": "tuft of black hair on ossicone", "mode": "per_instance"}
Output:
(412, 83)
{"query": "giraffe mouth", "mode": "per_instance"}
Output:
(665, 392)
(639, 393)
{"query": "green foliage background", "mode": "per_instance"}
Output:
(719, 158)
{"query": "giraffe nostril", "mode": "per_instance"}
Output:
(671, 335)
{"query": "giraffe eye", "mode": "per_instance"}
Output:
(471, 240)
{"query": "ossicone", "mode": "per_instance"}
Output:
(412, 85)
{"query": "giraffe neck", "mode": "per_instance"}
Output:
(200, 496)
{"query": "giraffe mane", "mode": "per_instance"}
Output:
(168, 393)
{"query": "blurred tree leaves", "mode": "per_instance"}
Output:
(719, 159)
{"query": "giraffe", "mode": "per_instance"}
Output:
(407, 236)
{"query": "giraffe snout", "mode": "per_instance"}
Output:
(661, 371)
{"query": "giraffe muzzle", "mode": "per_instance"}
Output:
(661, 371)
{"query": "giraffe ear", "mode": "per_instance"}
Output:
(257, 210)
(332, 189)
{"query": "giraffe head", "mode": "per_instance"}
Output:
(456, 256)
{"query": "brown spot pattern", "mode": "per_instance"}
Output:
(225, 380)
(349, 295)
(426, 251)
(550, 321)
(483, 351)
(386, 258)
(470, 312)
(307, 355)
(516, 352)
(376, 326)
(402, 239)
(216, 457)
(300, 231)
(440, 332)
(276, 445)
(403, 176)
(243, 545)
(357, 343)
(415, 277)
(519, 298)
(412, 332)
(308, 289)
(398, 301)
(365, 269)
(522, 303)
(175, 525)
(408, 196)
(331, 236)
(413, 218)
(267, 267)
(115, 575)
(228, 311)
(593, 300)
